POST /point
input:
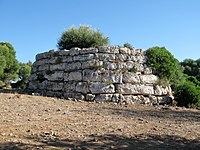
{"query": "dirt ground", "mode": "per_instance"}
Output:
(36, 122)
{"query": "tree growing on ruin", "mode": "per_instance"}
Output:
(82, 37)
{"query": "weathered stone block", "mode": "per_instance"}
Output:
(101, 88)
(149, 79)
(92, 64)
(105, 57)
(69, 87)
(124, 50)
(134, 89)
(82, 87)
(43, 67)
(88, 51)
(109, 49)
(55, 76)
(74, 51)
(110, 65)
(84, 57)
(91, 75)
(121, 57)
(60, 66)
(130, 77)
(112, 77)
(75, 76)
(54, 86)
(63, 52)
(72, 66)
(41, 62)
(43, 56)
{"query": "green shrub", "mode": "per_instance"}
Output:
(82, 37)
(164, 64)
(128, 45)
(187, 94)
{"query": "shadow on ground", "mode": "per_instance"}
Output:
(181, 115)
(109, 141)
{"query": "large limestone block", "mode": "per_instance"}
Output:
(90, 50)
(75, 76)
(135, 89)
(55, 86)
(101, 88)
(72, 66)
(41, 62)
(44, 67)
(69, 87)
(112, 76)
(148, 79)
(92, 75)
(82, 87)
(74, 51)
(105, 57)
(121, 57)
(84, 57)
(55, 76)
(109, 49)
(157, 90)
(130, 77)
(92, 64)
(60, 67)
(63, 52)
(110, 65)
(43, 55)
(124, 50)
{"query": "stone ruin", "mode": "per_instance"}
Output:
(104, 74)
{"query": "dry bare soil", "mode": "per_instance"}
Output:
(35, 122)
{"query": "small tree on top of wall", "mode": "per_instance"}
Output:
(82, 37)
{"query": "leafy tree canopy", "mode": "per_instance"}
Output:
(8, 63)
(82, 37)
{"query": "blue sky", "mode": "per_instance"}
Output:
(34, 26)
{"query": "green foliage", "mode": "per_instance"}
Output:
(82, 37)
(8, 64)
(128, 45)
(191, 68)
(24, 73)
(164, 65)
(187, 94)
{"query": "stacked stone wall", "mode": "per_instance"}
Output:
(110, 74)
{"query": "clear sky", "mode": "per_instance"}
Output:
(34, 26)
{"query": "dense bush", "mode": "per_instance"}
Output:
(164, 64)
(187, 94)
(82, 37)
(8, 64)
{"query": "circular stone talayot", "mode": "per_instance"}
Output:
(110, 74)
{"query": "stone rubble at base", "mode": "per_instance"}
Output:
(110, 74)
